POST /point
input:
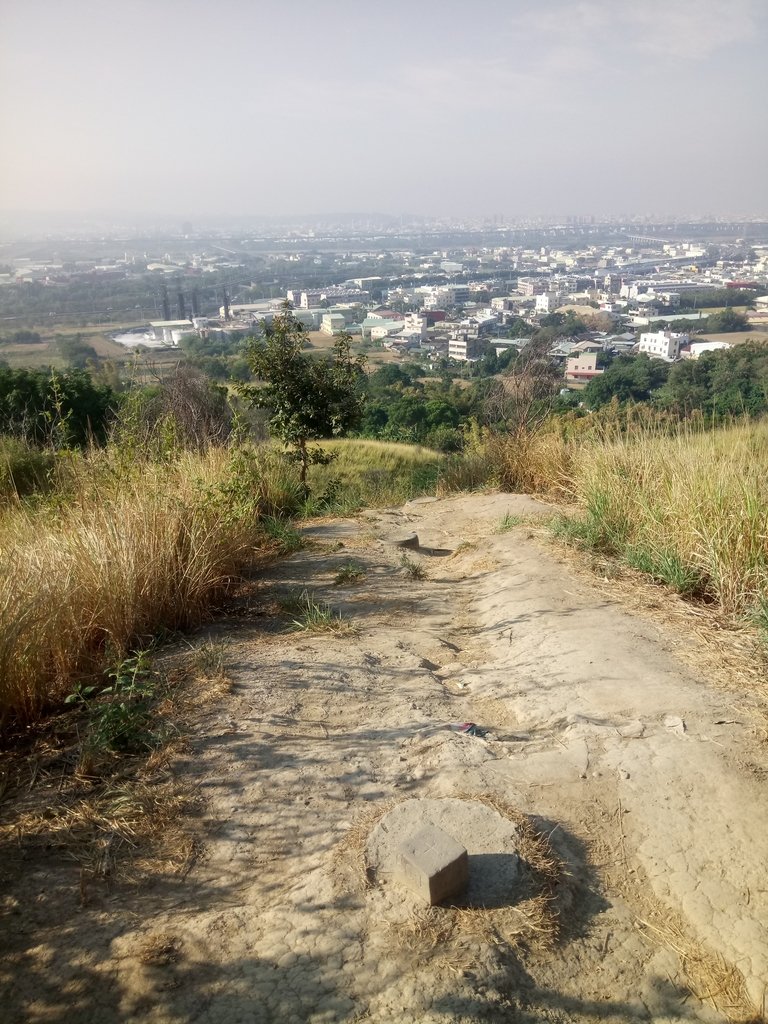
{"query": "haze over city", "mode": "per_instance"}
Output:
(512, 109)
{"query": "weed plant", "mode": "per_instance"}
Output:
(349, 573)
(314, 616)
(283, 535)
(508, 522)
(119, 715)
(413, 569)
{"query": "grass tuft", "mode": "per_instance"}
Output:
(314, 616)
(688, 507)
(667, 567)
(349, 573)
(209, 662)
(283, 535)
(413, 569)
(508, 522)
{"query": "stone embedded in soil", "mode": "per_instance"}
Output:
(411, 541)
(433, 865)
(491, 841)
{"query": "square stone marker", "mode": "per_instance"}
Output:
(432, 864)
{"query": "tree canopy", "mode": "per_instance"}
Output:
(726, 382)
(628, 378)
(51, 405)
(309, 398)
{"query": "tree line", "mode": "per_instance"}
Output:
(305, 396)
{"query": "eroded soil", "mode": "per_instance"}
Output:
(637, 768)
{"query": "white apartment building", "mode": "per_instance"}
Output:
(416, 325)
(662, 344)
(446, 295)
(308, 299)
(465, 346)
(333, 323)
(548, 302)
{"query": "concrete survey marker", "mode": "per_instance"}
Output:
(432, 864)
(438, 850)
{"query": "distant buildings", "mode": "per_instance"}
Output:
(332, 295)
(547, 302)
(171, 331)
(662, 344)
(581, 365)
(445, 295)
(530, 286)
(465, 345)
(333, 323)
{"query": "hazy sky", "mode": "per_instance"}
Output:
(518, 107)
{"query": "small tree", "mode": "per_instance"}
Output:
(308, 397)
(521, 399)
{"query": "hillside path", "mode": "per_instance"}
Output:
(644, 774)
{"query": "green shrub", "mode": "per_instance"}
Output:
(24, 468)
(667, 567)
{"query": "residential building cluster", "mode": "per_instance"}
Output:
(455, 302)
(625, 296)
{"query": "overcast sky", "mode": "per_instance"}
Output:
(439, 107)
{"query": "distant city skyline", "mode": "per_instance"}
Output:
(163, 110)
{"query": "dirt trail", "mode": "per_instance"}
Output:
(640, 773)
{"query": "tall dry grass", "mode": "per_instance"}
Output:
(688, 506)
(121, 555)
(121, 547)
(367, 473)
(538, 462)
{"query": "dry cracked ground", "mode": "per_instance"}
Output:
(613, 730)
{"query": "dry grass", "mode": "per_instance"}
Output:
(695, 504)
(124, 832)
(124, 554)
(687, 506)
(710, 978)
(160, 950)
(372, 474)
(535, 463)
(351, 872)
(534, 917)
(129, 820)
(383, 455)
